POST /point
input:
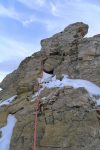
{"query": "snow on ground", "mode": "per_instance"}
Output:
(75, 83)
(1, 89)
(50, 81)
(36, 94)
(45, 78)
(8, 101)
(6, 133)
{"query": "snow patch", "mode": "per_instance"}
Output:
(1, 89)
(46, 78)
(50, 81)
(6, 133)
(75, 83)
(8, 101)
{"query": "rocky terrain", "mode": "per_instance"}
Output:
(70, 120)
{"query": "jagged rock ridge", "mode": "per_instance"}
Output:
(71, 123)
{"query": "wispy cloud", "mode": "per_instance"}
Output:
(40, 2)
(61, 12)
(67, 12)
(61, 9)
(12, 53)
(9, 12)
(54, 9)
(33, 4)
(16, 48)
(9, 65)
(23, 18)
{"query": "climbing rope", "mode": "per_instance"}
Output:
(36, 122)
(37, 109)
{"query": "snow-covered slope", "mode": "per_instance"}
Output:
(8, 101)
(6, 133)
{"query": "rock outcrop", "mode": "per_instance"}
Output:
(69, 119)
(57, 51)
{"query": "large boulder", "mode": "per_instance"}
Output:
(61, 41)
(63, 44)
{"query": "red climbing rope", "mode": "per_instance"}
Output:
(36, 122)
(36, 115)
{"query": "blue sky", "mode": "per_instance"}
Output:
(23, 23)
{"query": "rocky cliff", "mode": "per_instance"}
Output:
(70, 120)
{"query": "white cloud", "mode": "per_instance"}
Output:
(11, 48)
(12, 53)
(10, 65)
(40, 2)
(54, 9)
(70, 11)
(26, 19)
(62, 13)
(9, 12)
(33, 4)
(23, 18)
(30, 19)
(73, 8)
